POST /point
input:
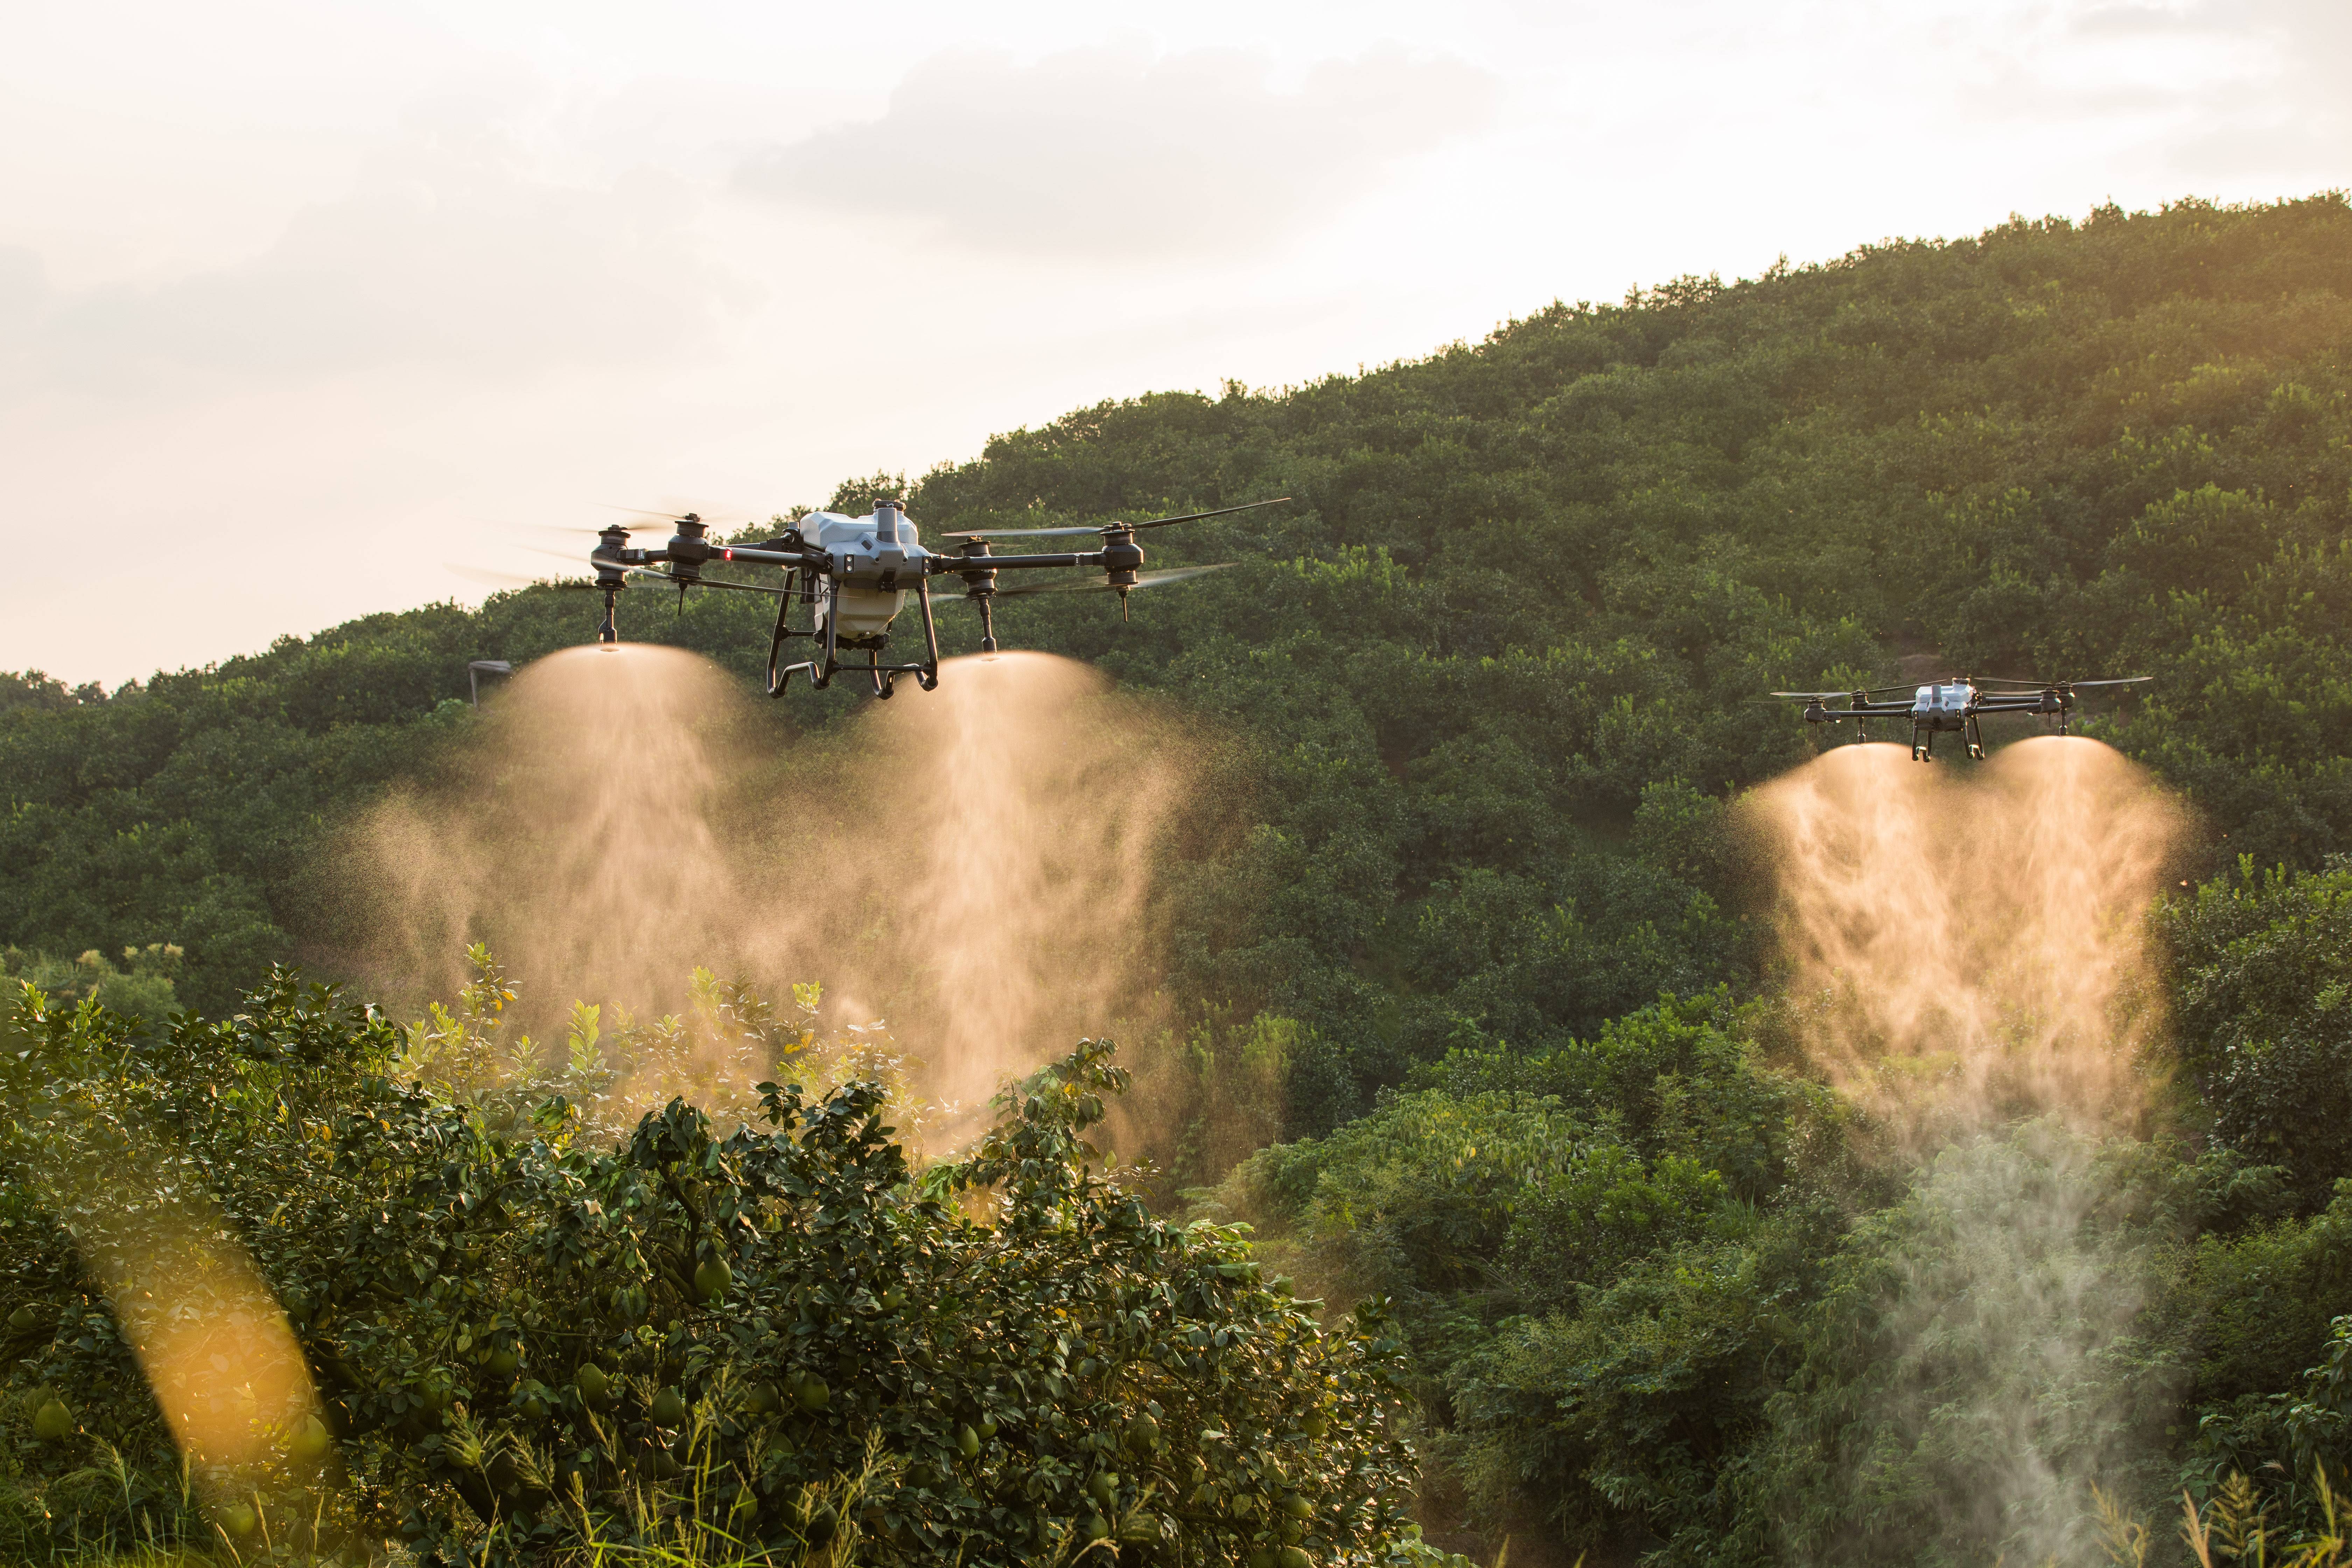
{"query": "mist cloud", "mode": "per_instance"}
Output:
(1115, 152)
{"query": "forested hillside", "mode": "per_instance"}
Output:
(1494, 678)
(1502, 654)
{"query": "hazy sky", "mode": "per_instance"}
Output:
(300, 302)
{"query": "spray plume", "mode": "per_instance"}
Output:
(1972, 947)
(971, 864)
(1967, 948)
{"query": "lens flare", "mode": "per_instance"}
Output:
(219, 1357)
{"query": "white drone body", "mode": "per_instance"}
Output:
(869, 556)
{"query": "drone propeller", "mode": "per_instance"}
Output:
(493, 578)
(487, 578)
(648, 575)
(1147, 580)
(572, 555)
(1106, 527)
(1848, 691)
(2065, 685)
(559, 529)
(716, 517)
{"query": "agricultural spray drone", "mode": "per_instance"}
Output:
(1953, 704)
(847, 578)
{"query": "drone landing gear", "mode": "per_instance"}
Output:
(1923, 741)
(801, 588)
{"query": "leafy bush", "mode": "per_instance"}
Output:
(2295, 1440)
(527, 1340)
(2261, 972)
(1597, 1253)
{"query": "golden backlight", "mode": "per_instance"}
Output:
(971, 864)
(1969, 944)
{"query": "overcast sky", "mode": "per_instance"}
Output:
(300, 301)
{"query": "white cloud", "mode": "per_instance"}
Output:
(1115, 152)
(2199, 96)
(448, 253)
(2297, 118)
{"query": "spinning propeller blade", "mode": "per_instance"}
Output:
(2057, 685)
(1847, 690)
(1106, 527)
(1024, 532)
(716, 517)
(645, 574)
(1220, 511)
(487, 578)
(572, 555)
(1147, 580)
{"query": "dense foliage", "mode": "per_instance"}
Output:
(528, 1339)
(2264, 969)
(1489, 681)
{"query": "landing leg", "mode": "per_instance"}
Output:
(1976, 739)
(823, 675)
(927, 678)
(780, 674)
(1923, 744)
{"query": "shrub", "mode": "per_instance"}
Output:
(527, 1339)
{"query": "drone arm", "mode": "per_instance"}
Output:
(946, 565)
(713, 583)
(1860, 711)
(760, 557)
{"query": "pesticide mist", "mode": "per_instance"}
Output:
(1970, 963)
(1970, 947)
(969, 867)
